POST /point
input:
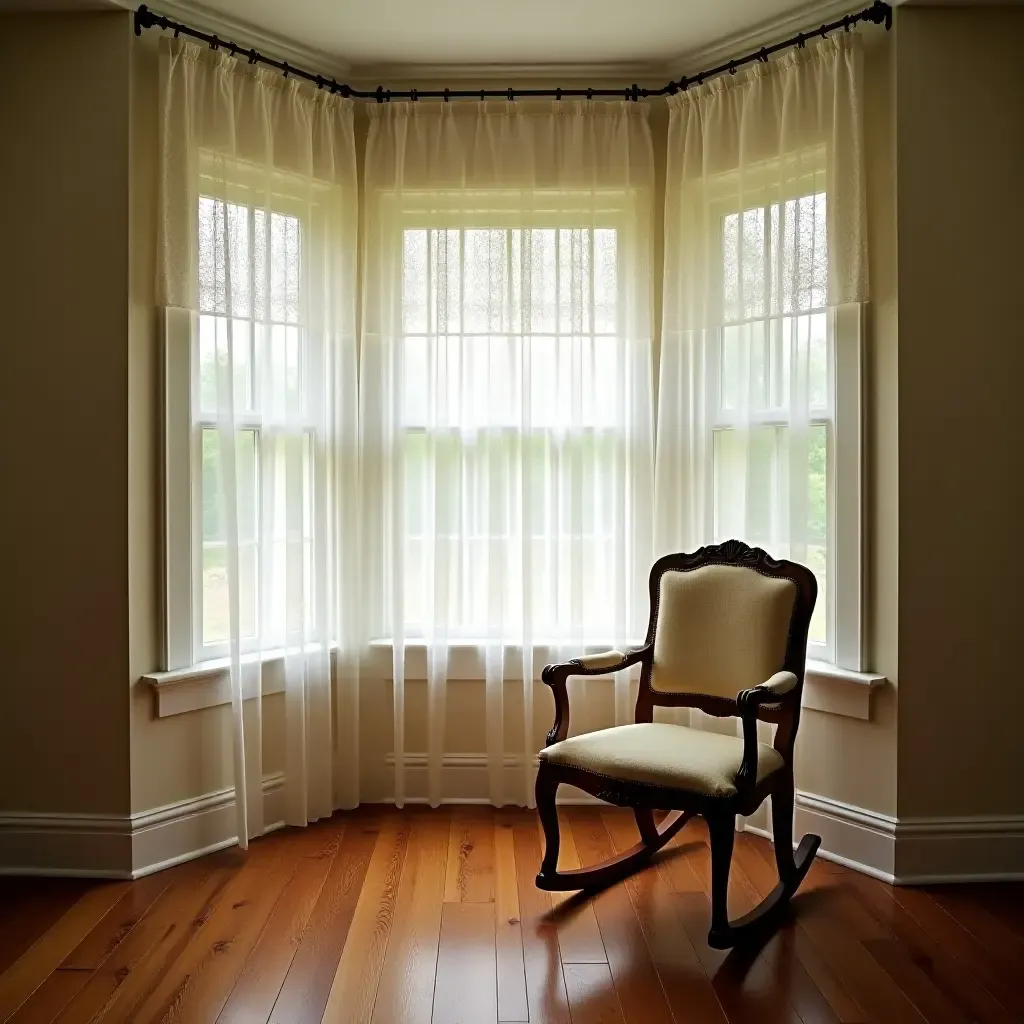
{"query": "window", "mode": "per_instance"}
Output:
(242, 475)
(783, 387)
(515, 424)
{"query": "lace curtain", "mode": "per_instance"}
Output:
(506, 403)
(764, 248)
(257, 224)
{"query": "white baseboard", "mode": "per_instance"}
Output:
(911, 851)
(465, 780)
(127, 846)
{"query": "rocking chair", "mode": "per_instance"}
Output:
(727, 635)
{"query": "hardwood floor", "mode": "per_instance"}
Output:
(431, 917)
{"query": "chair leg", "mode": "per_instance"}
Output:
(645, 825)
(545, 791)
(782, 827)
(722, 829)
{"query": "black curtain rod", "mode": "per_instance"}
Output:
(879, 13)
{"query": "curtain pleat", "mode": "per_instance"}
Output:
(507, 407)
(257, 237)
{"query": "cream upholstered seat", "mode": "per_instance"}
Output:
(659, 754)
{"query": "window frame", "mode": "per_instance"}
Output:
(504, 210)
(843, 420)
(183, 424)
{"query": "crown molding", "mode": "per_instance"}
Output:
(653, 73)
(613, 73)
(251, 36)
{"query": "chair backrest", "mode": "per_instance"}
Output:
(723, 619)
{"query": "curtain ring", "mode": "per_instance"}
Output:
(285, 69)
(590, 94)
(511, 97)
(214, 43)
(762, 55)
(253, 56)
(732, 67)
(446, 96)
(413, 95)
(801, 42)
(379, 93)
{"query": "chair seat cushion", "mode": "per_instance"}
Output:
(663, 755)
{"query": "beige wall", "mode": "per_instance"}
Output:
(63, 412)
(960, 131)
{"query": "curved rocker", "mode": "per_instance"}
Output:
(753, 669)
(652, 839)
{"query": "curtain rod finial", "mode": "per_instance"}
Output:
(143, 19)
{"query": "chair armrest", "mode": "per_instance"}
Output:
(772, 691)
(556, 676)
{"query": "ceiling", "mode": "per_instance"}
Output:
(645, 34)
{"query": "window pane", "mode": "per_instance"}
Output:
(218, 481)
(512, 384)
(764, 496)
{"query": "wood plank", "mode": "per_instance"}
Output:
(579, 937)
(406, 988)
(792, 950)
(688, 989)
(512, 1001)
(636, 980)
(470, 868)
(930, 1002)
(1000, 982)
(466, 989)
(257, 987)
(41, 959)
(545, 986)
(198, 983)
(307, 985)
(592, 998)
(1004, 943)
(354, 989)
(838, 936)
(51, 997)
(745, 985)
(138, 963)
(116, 925)
(960, 986)
(29, 907)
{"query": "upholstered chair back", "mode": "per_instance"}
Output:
(720, 629)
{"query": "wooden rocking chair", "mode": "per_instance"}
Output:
(727, 635)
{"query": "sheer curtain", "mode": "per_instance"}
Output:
(764, 243)
(506, 402)
(257, 242)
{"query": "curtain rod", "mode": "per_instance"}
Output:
(879, 13)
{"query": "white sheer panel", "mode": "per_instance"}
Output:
(764, 238)
(506, 395)
(258, 228)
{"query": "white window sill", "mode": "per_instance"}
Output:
(833, 690)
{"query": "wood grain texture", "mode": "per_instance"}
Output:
(355, 982)
(198, 983)
(406, 988)
(469, 875)
(257, 987)
(465, 989)
(579, 937)
(545, 986)
(636, 979)
(307, 985)
(46, 954)
(512, 1002)
(347, 920)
